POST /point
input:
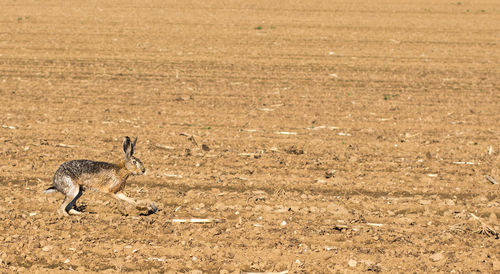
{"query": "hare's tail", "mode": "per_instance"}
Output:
(51, 189)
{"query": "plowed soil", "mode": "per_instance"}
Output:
(327, 136)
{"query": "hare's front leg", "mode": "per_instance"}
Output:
(121, 196)
(138, 205)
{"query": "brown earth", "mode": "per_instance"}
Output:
(343, 136)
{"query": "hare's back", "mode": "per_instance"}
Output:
(76, 168)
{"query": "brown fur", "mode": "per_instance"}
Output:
(73, 176)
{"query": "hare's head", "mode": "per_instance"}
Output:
(132, 164)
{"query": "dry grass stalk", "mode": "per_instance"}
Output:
(286, 133)
(491, 179)
(65, 145)
(457, 228)
(164, 147)
(256, 198)
(485, 228)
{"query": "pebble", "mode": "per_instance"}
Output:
(450, 202)
(47, 248)
(436, 257)
(424, 202)
(313, 209)
(496, 265)
(493, 218)
(336, 209)
(367, 262)
(352, 263)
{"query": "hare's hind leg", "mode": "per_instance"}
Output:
(72, 204)
(72, 192)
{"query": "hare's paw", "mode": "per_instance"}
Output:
(74, 212)
(62, 212)
(153, 207)
(147, 205)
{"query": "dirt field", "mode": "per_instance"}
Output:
(330, 136)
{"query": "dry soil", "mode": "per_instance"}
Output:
(329, 136)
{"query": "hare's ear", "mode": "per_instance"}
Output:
(132, 146)
(127, 147)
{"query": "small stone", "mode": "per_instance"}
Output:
(367, 262)
(313, 209)
(493, 218)
(436, 257)
(405, 221)
(267, 208)
(330, 173)
(496, 265)
(336, 209)
(283, 223)
(66, 261)
(47, 248)
(352, 263)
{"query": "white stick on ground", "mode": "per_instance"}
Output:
(491, 179)
(282, 272)
(374, 224)
(164, 147)
(196, 221)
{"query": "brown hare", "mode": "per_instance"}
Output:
(74, 176)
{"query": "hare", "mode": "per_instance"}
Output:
(74, 176)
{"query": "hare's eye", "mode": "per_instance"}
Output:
(133, 162)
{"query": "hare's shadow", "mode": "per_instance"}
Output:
(150, 212)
